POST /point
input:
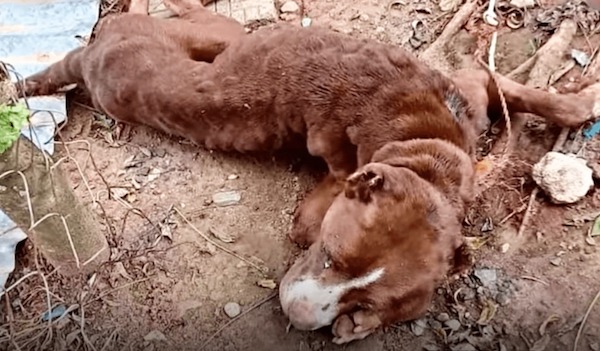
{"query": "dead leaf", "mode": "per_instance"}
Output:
(449, 5)
(119, 193)
(226, 238)
(590, 241)
(541, 344)
(119, 268)
(595, 228)
(166, 231)
(154, 174)
(487, 313)
(544, 325)
(267, 283)
(146, 152)
(476, 242)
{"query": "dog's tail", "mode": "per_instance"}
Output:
(58, 75)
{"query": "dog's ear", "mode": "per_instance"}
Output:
(362, 184)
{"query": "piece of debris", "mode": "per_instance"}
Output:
(119, 193)
(443, 317)
(580, 57)
(453, 324)
(155, 335)
(418, 37)
(267, 284)
(502, 299)
(219, 234)
(154, 174)
(556, 262)
(306, 22)
(487, 313)
(418, 327)
(232, 309)
(541, 344)
(487, 277)
(592, 131)
(504, 248)
(487, 226)
(55, 313)
(226, 198)
(289, 7)
(465, 346)
(522, 4)
(449, 5)
(564, 177)
(232, 177)
(595, 230)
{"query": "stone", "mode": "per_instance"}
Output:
(289, 7)
(227, 198)
(486, 276)
(565, 178)
(502, 299)
(155, 335)
(453, 324)
(232, 309)
(443, 317)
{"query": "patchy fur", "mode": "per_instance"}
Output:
(398, 138)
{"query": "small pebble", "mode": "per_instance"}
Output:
(443, 317)
(364, 17)
(468, 294)
(486, 276)
(226, 198)
(290, 7)
(435, 324)
(453, 324)
(504, 248)
(232, 309)
(502, 299)
(465, 346)
(556, 262)
(232, 177)
(306, 22)
(418, 327)
(155, 335)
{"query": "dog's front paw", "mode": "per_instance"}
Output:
(355, 326)
(31, 87)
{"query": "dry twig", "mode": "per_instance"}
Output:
(217, 245)
(252, 308)
(585, 317)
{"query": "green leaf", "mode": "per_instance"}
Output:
(595, 228)
(12, 119)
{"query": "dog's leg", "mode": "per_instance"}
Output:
(566, 110)
(56, 76)
(309, 214)
(211, 34)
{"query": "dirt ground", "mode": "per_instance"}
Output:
(166, 286)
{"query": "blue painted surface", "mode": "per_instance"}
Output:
(592, 131)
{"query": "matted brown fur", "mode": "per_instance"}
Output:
(396, 135)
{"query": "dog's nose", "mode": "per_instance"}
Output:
(302, 315)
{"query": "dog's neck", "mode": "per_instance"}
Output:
(444, 165)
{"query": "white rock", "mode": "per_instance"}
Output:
(232, 309)
(565, 178)
(289, 7)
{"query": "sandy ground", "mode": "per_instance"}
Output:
(166, 286)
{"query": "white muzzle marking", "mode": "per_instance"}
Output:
(311, 305)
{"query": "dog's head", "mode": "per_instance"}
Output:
(384, 243)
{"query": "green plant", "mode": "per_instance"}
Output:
(12, 119)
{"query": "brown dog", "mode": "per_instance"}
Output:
(398, 138)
